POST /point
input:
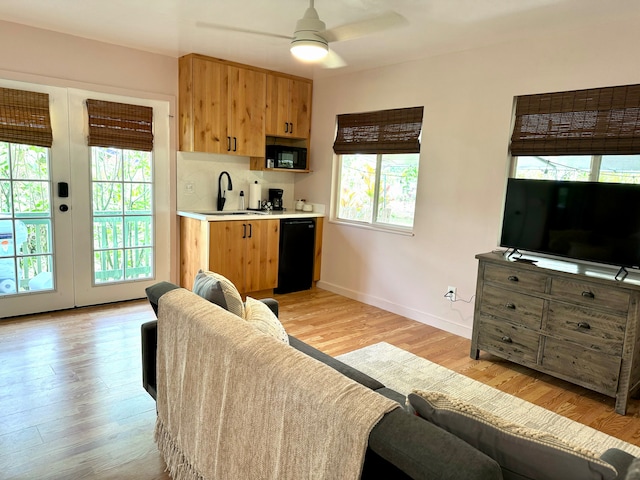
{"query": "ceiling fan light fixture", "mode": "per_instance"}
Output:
(309, 50)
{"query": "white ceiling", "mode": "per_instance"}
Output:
(434, 26)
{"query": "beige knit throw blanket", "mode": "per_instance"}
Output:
(235, 404)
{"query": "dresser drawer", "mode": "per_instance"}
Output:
(594, 370)
(517, 307)
(590, 294)
(592, 329)
(507, 340)
(514, 278)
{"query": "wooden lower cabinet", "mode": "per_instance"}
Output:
(579, 327)
(246, 252)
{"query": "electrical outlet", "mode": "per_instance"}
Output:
(452, 293)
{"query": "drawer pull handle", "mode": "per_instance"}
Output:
(507, 339)
(587, 294)
(510, 306)
(512, 278)
(584, 325)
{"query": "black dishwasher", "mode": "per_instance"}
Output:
(297, 245)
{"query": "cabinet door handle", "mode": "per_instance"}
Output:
(588, 294)
(235, 144)
(507, 339)
(228, 144)
(244, 230)
(250, 230)
(510, 306)
(286, 127)
(512, 278)
(584, 325)
(291, 128)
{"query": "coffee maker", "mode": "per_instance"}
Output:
(275, 197)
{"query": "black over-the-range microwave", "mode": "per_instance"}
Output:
(282, 156)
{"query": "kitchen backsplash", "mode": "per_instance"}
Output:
(198, 181)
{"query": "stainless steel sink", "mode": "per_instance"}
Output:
(235, 212)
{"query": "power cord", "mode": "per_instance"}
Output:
(450, 293)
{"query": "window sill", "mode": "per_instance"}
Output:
(375, 227)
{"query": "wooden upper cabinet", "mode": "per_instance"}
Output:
(246, 111)
(221, 107)
(288, 107)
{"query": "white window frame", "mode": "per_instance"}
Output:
(373, 224)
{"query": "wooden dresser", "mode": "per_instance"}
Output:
(565, 319)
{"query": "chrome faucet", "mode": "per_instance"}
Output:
(222, 193)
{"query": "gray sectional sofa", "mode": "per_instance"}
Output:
(403, 445)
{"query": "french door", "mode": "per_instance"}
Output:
(81, 225)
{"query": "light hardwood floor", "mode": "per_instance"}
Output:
(72, 405)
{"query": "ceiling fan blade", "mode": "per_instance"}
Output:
(333, 60)
(227, 28)
(367, 26)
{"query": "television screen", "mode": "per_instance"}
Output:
(592, 221)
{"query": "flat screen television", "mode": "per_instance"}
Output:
(591, 221)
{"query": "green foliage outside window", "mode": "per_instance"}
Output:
(26, 232)
(122, 200)
(378, 189)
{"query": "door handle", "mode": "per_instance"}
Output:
(64, 207)
(286, 127)
(250, 230)
(235, 144)
(244, 230)
(228, 144)
(291, 128)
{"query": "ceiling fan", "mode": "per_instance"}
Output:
(310, 40)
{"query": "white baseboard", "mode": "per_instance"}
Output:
(422, 317)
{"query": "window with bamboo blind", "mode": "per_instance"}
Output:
(582, 135)
(122, 191)
(379, 157)
(24, 117)
(120, 125)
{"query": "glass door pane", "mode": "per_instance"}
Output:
(26, 227)
(122, 211)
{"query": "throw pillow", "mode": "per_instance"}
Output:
(523, 453)
(219, 290)
(262, 318)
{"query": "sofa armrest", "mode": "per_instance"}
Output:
(272, 303)
(155, 291)
(621, 461)
(149, 336)
(424, 451)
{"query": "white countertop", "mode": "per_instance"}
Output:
(247, 215)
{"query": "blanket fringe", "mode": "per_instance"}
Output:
(178, 465)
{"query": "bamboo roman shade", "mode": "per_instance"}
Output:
(120, 125)
(582, 122)
(382, 131)
(24, 117)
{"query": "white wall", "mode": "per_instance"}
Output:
(467, 100)
(25, 50)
